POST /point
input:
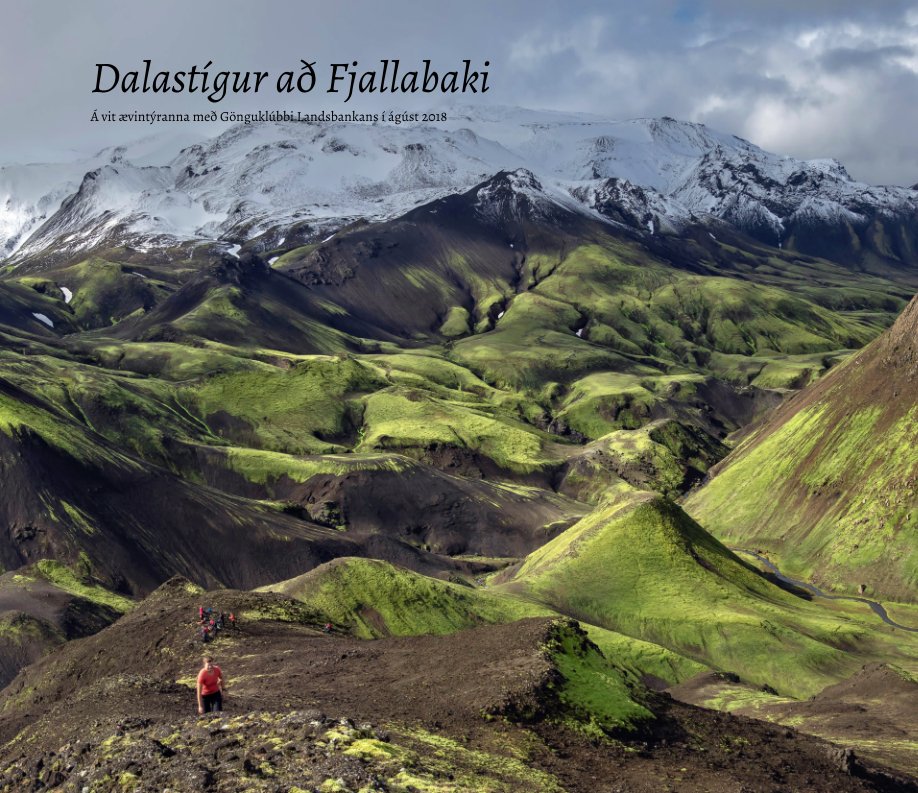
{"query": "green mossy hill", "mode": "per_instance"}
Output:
(373, 598)
(601, 403)
(69, 402)
(412, 422)
(643, 568)
(612, 306)
(313, 406)
(665, 456)
(829, 483)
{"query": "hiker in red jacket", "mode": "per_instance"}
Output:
(210, 687)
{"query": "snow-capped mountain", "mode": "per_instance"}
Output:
(655, 175)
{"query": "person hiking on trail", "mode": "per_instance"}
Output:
(210, 687)
(232, 620)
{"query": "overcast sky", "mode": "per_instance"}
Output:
(809, 78)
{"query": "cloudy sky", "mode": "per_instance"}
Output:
(820, 78)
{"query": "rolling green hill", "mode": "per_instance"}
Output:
(640, 566)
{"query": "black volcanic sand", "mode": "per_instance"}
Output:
(444, 502)
(36, 616)
(115, 709)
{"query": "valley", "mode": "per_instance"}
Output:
(493, 401)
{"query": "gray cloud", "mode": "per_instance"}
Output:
(844, 58)
(836, 86)
(825, 78)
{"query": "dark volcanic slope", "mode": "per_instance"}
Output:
(242, 303)
(284, 675)
(468, 251)
(450, 515)
(830, 480)
(139, 524)
(37, 616)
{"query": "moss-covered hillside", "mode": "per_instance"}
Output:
(829, 482)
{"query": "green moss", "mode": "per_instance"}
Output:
(371, 749)
(62, 576)
(265, 467)
(594, 695)
(425, 368)
(79, 518)
(732, 698)
(447, 765)
(280, 612)
(128, 781)
(456, 323)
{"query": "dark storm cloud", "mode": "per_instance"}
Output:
(820, 78)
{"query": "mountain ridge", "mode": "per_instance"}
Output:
(256, 183)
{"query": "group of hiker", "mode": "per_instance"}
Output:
(211, 622)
